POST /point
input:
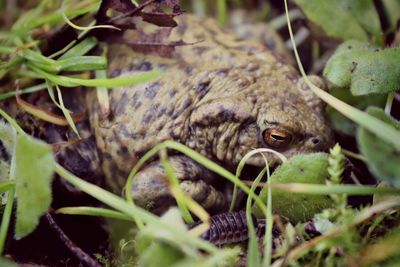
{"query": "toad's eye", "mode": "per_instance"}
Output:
(277, 138)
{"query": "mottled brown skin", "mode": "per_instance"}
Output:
(217, 96)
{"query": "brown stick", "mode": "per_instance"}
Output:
(82, 256)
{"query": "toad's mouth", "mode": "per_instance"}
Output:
(248, 175)
(272, 160)
(250, 172)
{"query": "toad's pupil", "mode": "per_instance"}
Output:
(278, 137)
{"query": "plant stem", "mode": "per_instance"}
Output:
(5, 221)
(389, 102)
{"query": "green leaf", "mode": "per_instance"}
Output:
(160, 255)
(33, 173)
(7, 263)
(383, 158)
(158, 247)
(307, 169)
(223, 257)
(337, 18)
(151, 231)
(340, 122)
(365, 69)
(392, 8)
(365, 13)
(337, 69)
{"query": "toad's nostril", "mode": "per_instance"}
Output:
(315, 140)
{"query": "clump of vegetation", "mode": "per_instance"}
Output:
(317, 227)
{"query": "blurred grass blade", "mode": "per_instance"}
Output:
(60, 105)
(6, 218)
(5, 186)
(23, 22)
(85, 28)
(67, 113)
(80, 63)
(351, 190)
(7, 49)
(11, 34)
(253, 253)
(92, 211)
(11, 63)
(102, 94)
(43, 114)
(8, 139)
(11, 121)
(222, 11)
(27, 90)
(107, 83)
(176, 191)
(81, 48)
(36, 57)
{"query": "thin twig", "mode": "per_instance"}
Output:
(82, 256)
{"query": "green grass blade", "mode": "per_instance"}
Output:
(36, 57)
(7, 49)
(54, 18)
(173, 180)
(81, 48)
(5, 221)
(351, 190)
(66, 112)
(222, 11)
(196, 157)
(5, 186)
(92, 211)
(80, 63)
(121, 205)
(12, 122)
(11, 63)
(27, 90)
(253, 254)
(107, 83)
(242, 163)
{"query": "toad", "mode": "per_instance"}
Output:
(221, 96)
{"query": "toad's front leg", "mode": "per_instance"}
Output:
(151, 187)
